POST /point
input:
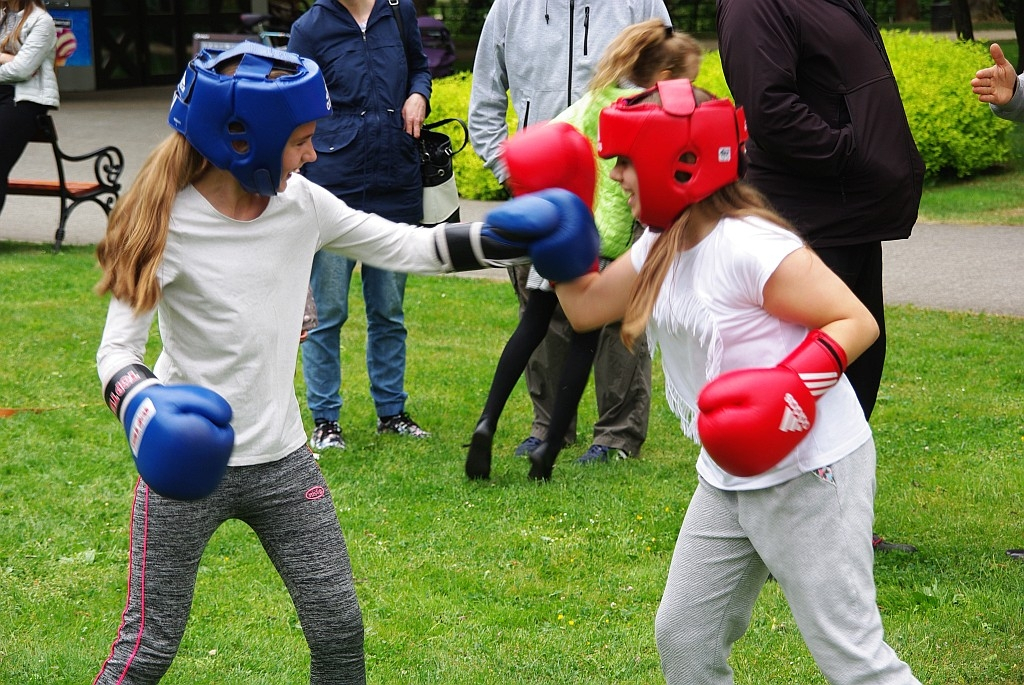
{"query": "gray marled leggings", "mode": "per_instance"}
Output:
(289, 507)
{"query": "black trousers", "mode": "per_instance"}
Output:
(18, 123)
(860, 267)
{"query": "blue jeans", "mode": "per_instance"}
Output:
(383, 293)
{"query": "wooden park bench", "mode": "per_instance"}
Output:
(108, 165)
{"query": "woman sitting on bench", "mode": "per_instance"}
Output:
(28, 84)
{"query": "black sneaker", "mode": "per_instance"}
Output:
(882, 545)
(327, 435)
(400, 424)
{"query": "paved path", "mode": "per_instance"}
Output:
(967, 268)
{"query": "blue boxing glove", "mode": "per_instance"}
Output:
(553, 228)
(557, 228)
(572, 249)
(180, 435)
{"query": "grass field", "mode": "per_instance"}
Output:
(506, 581)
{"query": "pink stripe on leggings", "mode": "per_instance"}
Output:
(139, 486)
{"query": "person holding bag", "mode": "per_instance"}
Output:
(28, 83)
(379, 84)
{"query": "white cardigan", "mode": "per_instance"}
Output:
(31, 71)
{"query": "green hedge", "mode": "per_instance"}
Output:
(954, 132)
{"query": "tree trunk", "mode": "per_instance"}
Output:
(907, 10)
(1018, 27)
(962, 19)
(987, 10)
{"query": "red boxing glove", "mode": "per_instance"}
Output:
(551, 155)
(750, 419)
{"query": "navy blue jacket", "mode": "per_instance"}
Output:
(364, 155)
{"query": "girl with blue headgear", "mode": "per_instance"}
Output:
(215, 239)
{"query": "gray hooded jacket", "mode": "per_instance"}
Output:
(542, 54)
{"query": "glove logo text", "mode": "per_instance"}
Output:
(144, 414)
(794, 420)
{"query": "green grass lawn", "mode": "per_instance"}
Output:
(507, 581)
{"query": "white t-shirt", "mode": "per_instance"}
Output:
(233, 299)
(709, 319)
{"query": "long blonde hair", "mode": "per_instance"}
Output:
(642, 51)
(13, 36)
(735, 200)
(131, 250)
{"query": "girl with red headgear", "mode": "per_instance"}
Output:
(755, 333)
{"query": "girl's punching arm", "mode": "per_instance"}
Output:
(597, 299)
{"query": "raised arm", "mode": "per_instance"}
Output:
(1000, 86)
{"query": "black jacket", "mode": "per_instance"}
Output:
(830, 143)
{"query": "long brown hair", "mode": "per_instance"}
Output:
(735, 200)
(131, 250)
(642, 51)
(18, 6)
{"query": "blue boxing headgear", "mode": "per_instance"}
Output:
(215, 111)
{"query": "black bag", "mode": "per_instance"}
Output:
(440, 196)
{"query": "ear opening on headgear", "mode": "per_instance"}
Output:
(239, 143)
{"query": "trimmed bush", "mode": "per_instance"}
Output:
(955, 133)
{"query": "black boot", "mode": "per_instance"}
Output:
(542, 461)
(478, 459)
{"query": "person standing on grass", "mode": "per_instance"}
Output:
(539, 56)
(216, 238)
(830, 145)
(1003, 90)
(755, 332)
(640, 55)
(379, 83)
(28, 83)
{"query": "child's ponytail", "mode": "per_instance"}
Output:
(642, 52)
(131, 250)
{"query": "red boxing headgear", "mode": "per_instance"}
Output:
(551, 155)
(682, 152)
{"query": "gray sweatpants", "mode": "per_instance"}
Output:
(288, 505)
(813, 534)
